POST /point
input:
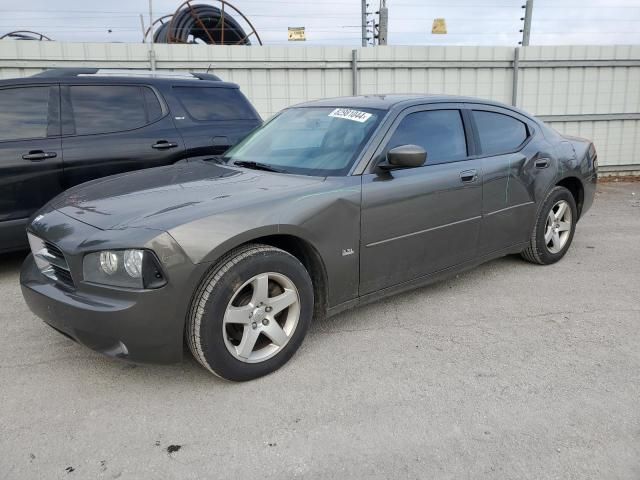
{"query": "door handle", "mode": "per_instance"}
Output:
(542, 163)
(469, 176)
(163, 145)
(37, 155)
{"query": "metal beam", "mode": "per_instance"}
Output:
(629, 169)
(578, 63)
(435, 64)
(14, 62)
(514, 83)
(589, 117)
(354, 71)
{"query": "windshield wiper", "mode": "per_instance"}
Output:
(258, 166)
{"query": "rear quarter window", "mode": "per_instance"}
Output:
(499, 133)
(214, 103)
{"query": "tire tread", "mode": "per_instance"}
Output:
(532, 253)
(211, 279)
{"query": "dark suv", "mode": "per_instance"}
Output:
(63, 127)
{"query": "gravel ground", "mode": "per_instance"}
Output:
(508, 371)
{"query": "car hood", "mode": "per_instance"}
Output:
(167, 196)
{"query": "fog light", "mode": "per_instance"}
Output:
(133, 262)
(109, 262)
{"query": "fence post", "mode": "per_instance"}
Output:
(514, 86)
(354, 71)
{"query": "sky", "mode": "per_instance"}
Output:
(335, 22)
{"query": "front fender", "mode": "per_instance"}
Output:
(327, 217)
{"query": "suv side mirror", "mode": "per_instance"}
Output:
(404, 156)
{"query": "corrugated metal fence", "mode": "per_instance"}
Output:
(589, 91)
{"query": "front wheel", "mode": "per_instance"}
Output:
(250, 313)
(554, 228)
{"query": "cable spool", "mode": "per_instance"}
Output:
(206, 24)
(157, 26)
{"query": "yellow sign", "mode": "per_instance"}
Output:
(439, 26)
(296, 34)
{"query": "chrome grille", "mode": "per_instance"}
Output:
(62, 275)
(53, 250)
(50, 260)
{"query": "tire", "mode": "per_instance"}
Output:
(542, 249)
(233, 307)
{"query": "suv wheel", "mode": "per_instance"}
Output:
(554, 228)
(251, 313)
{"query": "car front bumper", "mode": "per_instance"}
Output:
(137, 325)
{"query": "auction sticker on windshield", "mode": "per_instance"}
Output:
(348, 114)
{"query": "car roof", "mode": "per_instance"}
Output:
(388, 102)
(111, 79)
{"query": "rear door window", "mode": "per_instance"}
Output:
(439, 132)
(214, 103)
(499, 133)
(112, 108)
(24, 112)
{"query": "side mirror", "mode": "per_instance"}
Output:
(404, 156)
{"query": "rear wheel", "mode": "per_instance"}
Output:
(251, 313)
(554, 229)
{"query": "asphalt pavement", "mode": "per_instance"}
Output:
(510, 370)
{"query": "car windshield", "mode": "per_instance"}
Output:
(318, 141)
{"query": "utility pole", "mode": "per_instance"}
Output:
(526, 31)
(364, 23)
(152, 53)
(383, 23)
(142, 26)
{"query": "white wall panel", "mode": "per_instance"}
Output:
(552, 80)
(617, 141)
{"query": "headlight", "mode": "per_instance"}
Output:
(108, 262)
(123, 268)
(133, 262)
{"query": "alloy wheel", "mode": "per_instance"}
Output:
(558, 226)
(261, 317)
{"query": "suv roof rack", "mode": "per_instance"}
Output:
(115, 72)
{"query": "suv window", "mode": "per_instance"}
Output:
(214, 103)
(24, 112)
(439, 132)
(154, 110)
(499, 133)
(112, 108)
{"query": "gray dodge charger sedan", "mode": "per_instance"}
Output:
(330, 204)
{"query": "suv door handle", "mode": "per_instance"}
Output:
(163, 145)
(37, 155)
(469, 176)
(542, 163)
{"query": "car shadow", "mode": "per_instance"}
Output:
(10, 262)
(74, 357)
(353, 316)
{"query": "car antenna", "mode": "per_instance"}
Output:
(208, 68)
